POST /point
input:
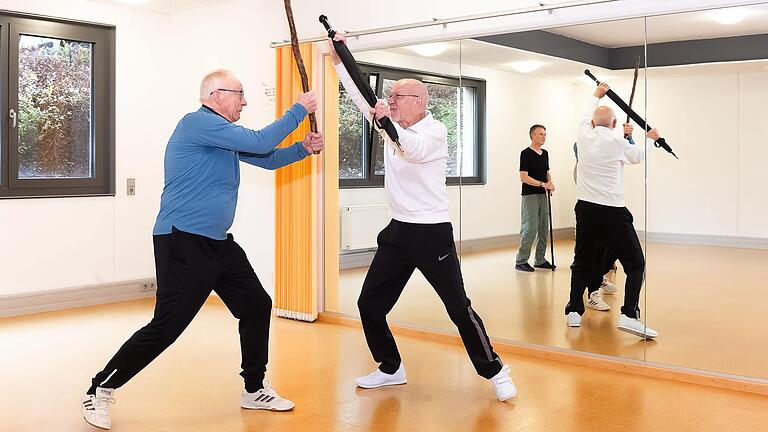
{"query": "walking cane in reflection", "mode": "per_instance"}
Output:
(551, 237)
(632, 95)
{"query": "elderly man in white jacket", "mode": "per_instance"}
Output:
(419, 236)
(603, 221)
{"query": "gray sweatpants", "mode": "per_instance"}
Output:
(535, 223)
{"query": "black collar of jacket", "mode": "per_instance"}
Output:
(214, 111)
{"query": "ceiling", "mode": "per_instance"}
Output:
(497, 57)
(667, 28)
(164, 6)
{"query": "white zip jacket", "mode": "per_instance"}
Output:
(414, 179)
(602, 156)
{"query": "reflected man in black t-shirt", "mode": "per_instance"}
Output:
(537, 181)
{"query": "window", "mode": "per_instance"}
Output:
(457, 103)
(57, 99)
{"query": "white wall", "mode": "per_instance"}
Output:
(716, 125)
(69, 242)
(752, 135)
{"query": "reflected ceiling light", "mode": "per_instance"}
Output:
(730, 16)
(430, 49)
(134, 2)
(526, 66)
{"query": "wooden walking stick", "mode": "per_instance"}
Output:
(299, 61)
(634, 85)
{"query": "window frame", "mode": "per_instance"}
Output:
(102, 183)
(373, 180)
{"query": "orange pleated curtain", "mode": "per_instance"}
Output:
(296, 222)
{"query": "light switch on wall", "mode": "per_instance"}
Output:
(131, 186)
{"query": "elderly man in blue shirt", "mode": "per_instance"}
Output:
(194, 254)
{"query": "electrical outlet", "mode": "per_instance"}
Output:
(131, 186)
(148, 286)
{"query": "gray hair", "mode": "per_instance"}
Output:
(213, 81)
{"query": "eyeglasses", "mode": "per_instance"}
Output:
(241, 93)
(396, 97)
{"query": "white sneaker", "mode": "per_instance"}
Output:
(574, 319)
(378, 378)
(636, 327)
(95, 408)
(596, 302)
(265, 399)
(505, 388)
(607, 287)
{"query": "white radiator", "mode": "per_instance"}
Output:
(361, 224)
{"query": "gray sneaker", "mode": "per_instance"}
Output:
(524, 267)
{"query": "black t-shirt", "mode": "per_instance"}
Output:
(537, 166)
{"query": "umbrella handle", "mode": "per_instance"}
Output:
(324, 21)
(589, 74)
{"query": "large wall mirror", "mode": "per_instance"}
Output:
(537, 78)
(707, 217)
(700, 78)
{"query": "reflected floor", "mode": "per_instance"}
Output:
(703, 300)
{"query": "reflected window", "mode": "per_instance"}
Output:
(457, 103)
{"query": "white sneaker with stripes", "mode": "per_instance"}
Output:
(596, 302)
(607, 287)
(95, 408)
(265, 399)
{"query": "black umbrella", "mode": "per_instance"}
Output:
(661, 142)
(357, 77)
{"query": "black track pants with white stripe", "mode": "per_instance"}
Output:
(404, 247)
(189, 267)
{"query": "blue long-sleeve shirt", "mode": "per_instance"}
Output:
(202, 168)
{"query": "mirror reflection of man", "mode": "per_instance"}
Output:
(603, 222)
(534, 210)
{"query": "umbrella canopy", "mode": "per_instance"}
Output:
(661, 142)
(357, 77)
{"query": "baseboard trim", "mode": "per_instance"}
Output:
(364, 258)
(90, 295)
(635, 367)
(705, 240)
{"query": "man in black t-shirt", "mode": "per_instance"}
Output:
(534, 173)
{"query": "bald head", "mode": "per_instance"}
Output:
(217, 79)
(413, 86)
(604, 116)
(408, 101)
